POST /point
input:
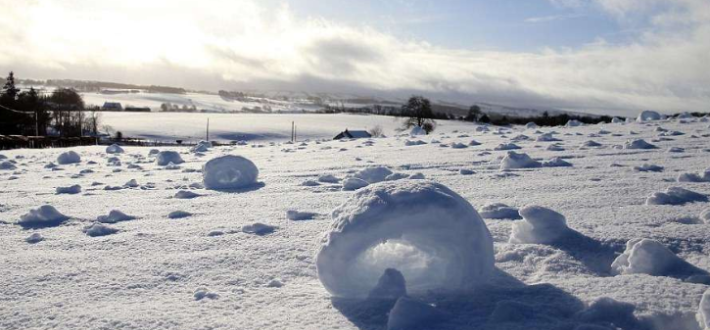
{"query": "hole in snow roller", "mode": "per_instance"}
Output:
(430, 234)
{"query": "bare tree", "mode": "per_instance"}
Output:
(376, 131)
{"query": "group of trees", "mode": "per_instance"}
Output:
(30, 112)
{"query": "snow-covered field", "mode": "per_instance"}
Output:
(176, 255)
(166, 126)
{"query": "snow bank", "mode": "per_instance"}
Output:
(229, 172)
(540, 226)
(675, 196)
(373, 174)
(71, 190)
(426, 231)
(639, 144)
(45, 216)
(648, 116)
(514, 160)
(164, 158)
(114, 149)
(499, 211)
(646, 256)
(69, 157)
(115, 216)
(409, 314)
(99, 229)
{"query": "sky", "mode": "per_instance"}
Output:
(600, 56)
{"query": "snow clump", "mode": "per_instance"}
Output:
(540, 226)
(354, 184)
(259, 229)
(639, 144)
(229, 172)
(433, 236)
(114, 149)
(99, 229)
(165, 158)
(115, 216)
(71, 190)
(69, 157)
(514, 160)
(45, 216)
(499, 211)
(648, 116)
(675, 196)
(646, 256)
(373, 174)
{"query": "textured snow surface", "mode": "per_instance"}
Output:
(217, 268)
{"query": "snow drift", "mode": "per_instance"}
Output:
(424, 230)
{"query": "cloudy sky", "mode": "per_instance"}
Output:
(604, 56)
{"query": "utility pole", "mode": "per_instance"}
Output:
(208, 130)
(293, 130)
(295, 134)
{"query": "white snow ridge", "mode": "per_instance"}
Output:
(432, 235)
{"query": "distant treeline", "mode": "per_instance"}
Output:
(475, 114)
(95, 86)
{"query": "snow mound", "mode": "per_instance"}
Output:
(639, 144)
(229, 172)
(299, 216)
(165, 158)
(540, 226)
(69, 157)
(703, 315)
(373, 174)
(186, 194)
(310, 183)
(590, 144)
(474, 143)
(531, 125)
(203, 293)
(7, 165)
(259, 229)
(71, 190)
(45, 216)
(547, 137)
(396, 176)
(556, 162)
(515, 160)
(675, 196)
(179, 215)
(115, 216)
(646, 256)
(391, 285)
(202, 146)
(649, 168)
(499, 211)
(458, 145)
(34, 238)
(114, 149)
(328, 178)
(507, 146)
(99, 229)
(617, 120)
(409, 143)
(429, 233)
(354, 184)
(410, 314)
(648, 116)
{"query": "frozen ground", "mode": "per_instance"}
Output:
(232, 259)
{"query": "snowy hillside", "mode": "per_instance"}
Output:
(473, 227)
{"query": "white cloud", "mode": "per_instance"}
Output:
(240, 44)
